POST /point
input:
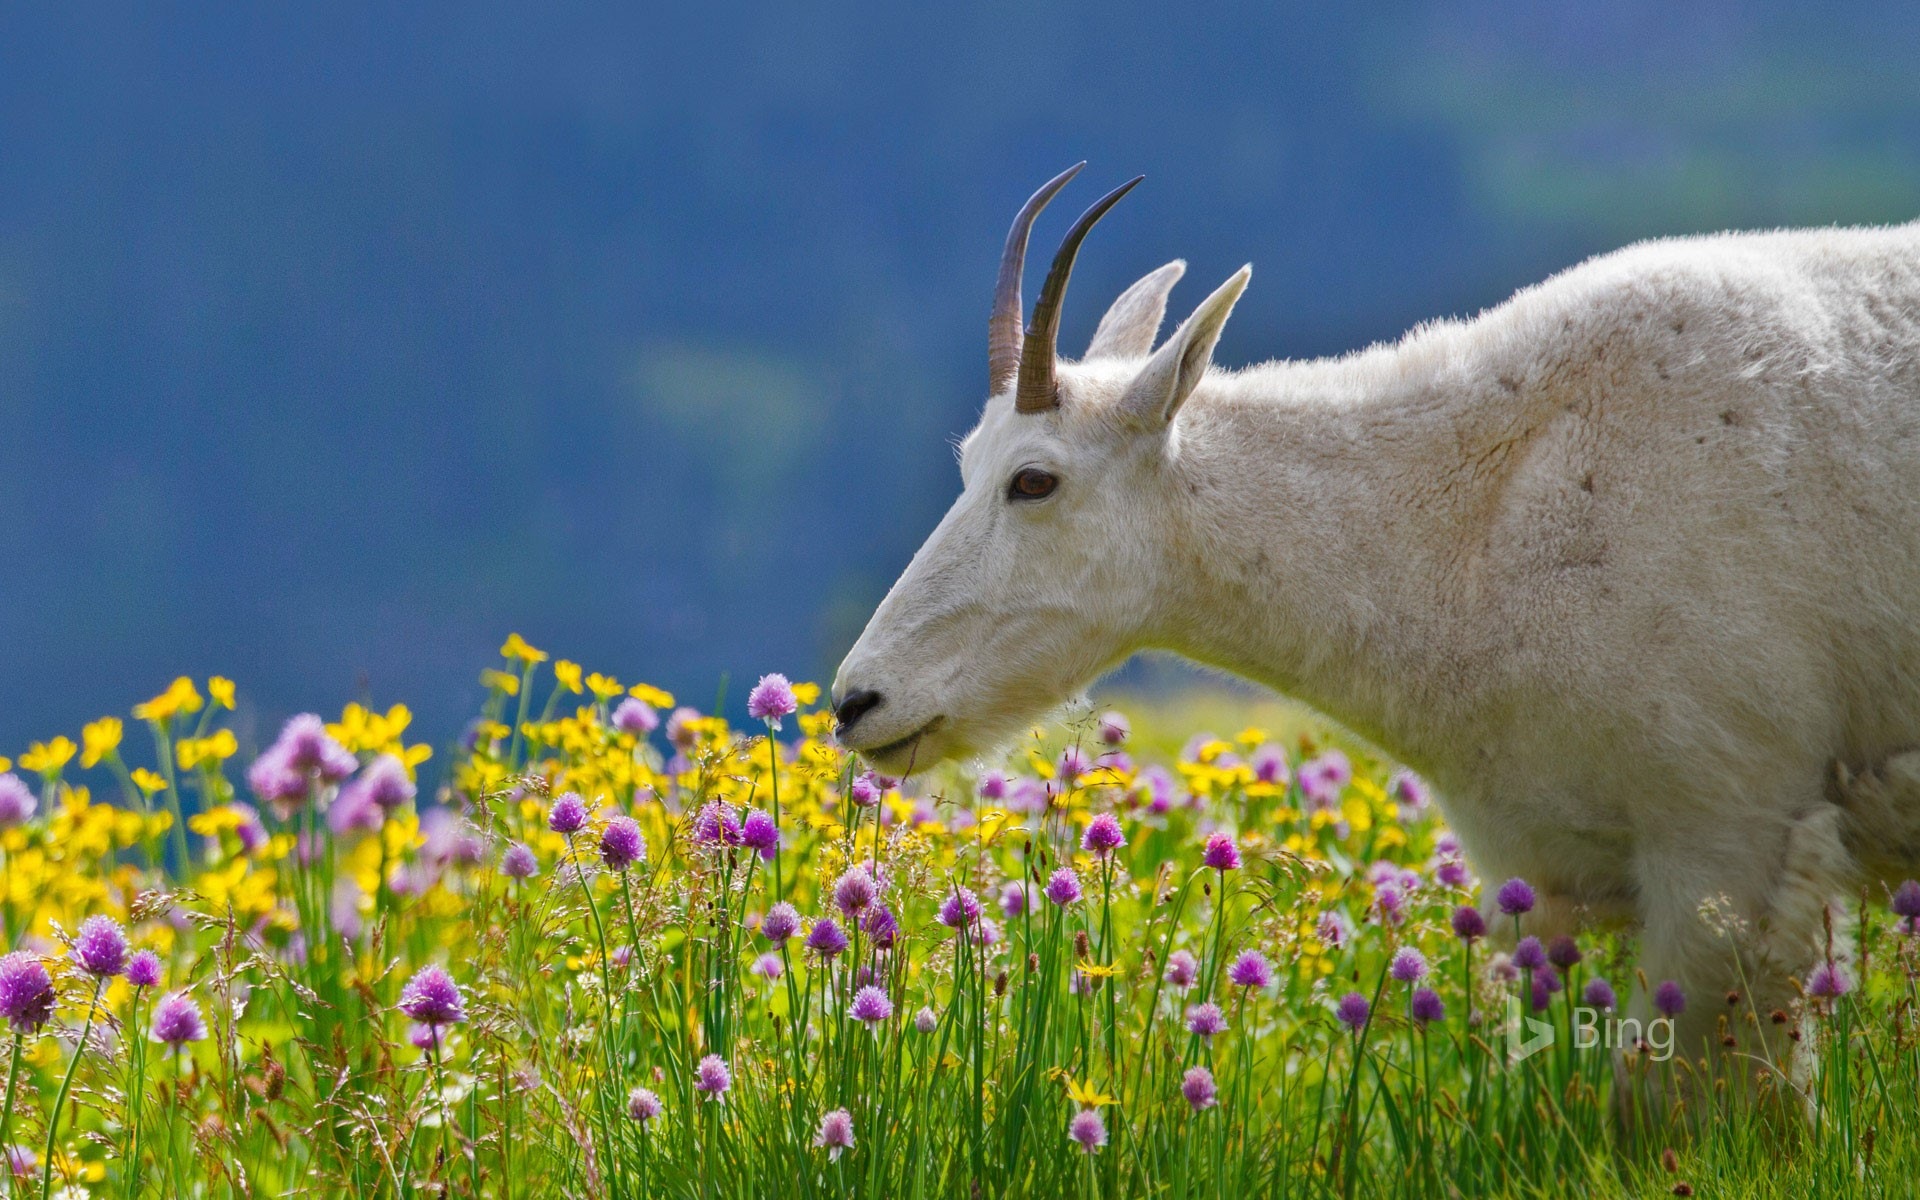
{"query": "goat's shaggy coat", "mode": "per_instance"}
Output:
(1628, 566)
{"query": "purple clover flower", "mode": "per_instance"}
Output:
(880, 925)
(835, 1135)
(177, 1020)
(1221, 854)
(1353, 1010)
(1251, 970)
(960, 909)
(1564, 952)
(1182, 969)
(871, 1005)
(1015, 897)
(518, 862)
(143, 969)
(642, 1104)
(100, 948)
(1427, 1006)
(1088, 1130)
(385, 783)
(1599, 994)
(26, 991)
(569, 815)
(1515, 897)
(432, 998)
(17, 801)
(1906, 904)
(1528, 955)
(1063, 888)
(621, 844)
(1103, 836)
(781, 922)
(1468, 925)
(713, 1078)
(636, 717)
(1206, 1020)
(1114, 728)
(1828, 981)
(855, 891)
(1198, 1088)
(760, 832)
(771, 699)
(826, 939)
(1409, 965)
(926, 1020)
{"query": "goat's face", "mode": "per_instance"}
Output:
(1050, 566)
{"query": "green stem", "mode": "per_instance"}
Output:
(66, 1086)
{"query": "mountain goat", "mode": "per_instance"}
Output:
(1627, 566)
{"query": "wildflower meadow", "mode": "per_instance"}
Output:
(601, 944)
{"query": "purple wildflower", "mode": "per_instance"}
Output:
(642, 1104)
(1546, 981)
(143, 969)
(1182, 969)
(518, 862)
(768, 966)
(713, 1078)
(1528, 955)
(1197, 1086)
(1906, 903)
(925, 1020)
(864, 792)
(1015, 897)
(1669, 999)
(1409, 965)
(17, 801)
(854, 891)
(870, 1004)
(1352, 1011)
(993, 785)
(569, 815)
(1599, 994)
(1391, 903)
(1564, 952)
(637, 718)
(1333, 928)
(716, 825)
(177, 1020)
(100, 948)
(760, 832)
(1088, 1129)
(836, 1133)
(880, 925)
(960, 909)
(1221, 854)
(1206, 1020)
(621, 845)
(1114, 728)
(26, 991)
(385, 783)
(1103, 836)
(1427, 1006)
(1468, 925)
(1251, 970)
(771, 699)
(1828, 982)
(431, 997)
(781, 922)
(825, 938)
(1063, 888)
(1515, 897)
(1452, 873)
(1409, 791)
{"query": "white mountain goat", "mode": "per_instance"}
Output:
(1628, 567)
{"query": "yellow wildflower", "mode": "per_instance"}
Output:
(214, 749)
(100, 739)
(806, 693)
(646, 693)
(221, 689)
(604, 687)
(47, 758)
(568, 674)
(147, 781)
(180, 697)
(500, 681)
(517, 647)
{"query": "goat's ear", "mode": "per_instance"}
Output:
(1170, 376)
(1128, 329)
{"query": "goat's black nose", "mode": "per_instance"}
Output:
(856, 705)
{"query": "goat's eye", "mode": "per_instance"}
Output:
(1031, 483)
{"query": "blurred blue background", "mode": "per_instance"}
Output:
(336, 342)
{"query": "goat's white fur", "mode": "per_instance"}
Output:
(1625, 566)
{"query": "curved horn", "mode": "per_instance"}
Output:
(1038, 391)
(1003, 328)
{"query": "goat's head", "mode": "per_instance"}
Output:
(1056, 561)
